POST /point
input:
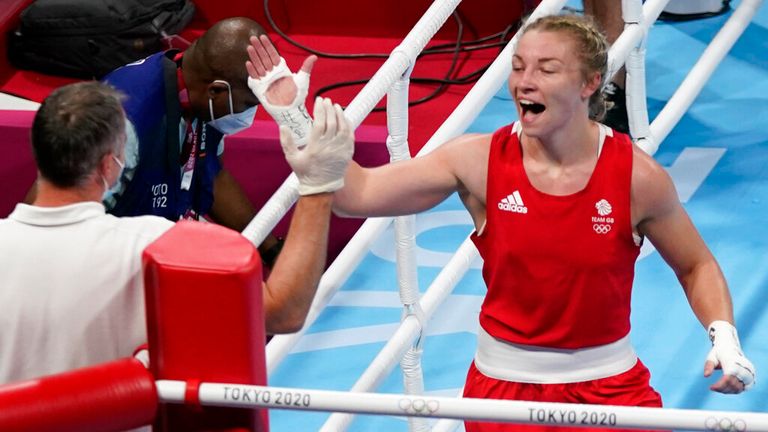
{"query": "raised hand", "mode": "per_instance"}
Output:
(280, 92)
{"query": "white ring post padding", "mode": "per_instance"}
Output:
(446, 425)
(409, 328)
(405, 237)
(397, 119)
(352, 254)
(399, 62)
(631, 11)
(632, 35)
(559, 414)
(636, 99)
(700, 73)
(405, 226)
(637, 109)
(413, 383)
(407, 269)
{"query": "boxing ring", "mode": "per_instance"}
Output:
(354, 285)
(358, 329)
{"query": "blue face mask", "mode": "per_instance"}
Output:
(231, 123)
(108, 192)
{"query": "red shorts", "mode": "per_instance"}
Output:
(631, 388)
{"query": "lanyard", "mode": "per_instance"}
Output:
(191, 138)
(193, 147)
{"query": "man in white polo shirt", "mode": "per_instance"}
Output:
(71, 287)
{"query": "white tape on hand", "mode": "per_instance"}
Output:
(726, 353)
(294, 116)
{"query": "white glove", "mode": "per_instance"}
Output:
(726, 353)
(293, 116)
(321, 164)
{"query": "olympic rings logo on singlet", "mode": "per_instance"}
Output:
(601, 228)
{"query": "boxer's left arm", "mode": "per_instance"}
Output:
(658, 215)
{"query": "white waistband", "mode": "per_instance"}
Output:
(531, 364)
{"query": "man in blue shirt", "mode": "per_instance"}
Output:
(180, 106)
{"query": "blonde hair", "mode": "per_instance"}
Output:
(592, 50)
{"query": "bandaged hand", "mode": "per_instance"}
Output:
(726, 354)
(320, 165)
(280, 92)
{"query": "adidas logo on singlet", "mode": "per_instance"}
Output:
(513, 203)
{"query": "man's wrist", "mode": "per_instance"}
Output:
(328, 187)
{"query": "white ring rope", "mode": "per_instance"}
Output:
(700, 73)
(603, 416)
(273, 210)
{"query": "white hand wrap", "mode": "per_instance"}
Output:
(726, 353)
(321, 164)
(294, 116)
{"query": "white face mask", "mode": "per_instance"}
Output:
(107, 188)
(231, 123)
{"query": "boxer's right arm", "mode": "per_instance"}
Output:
(417, 184)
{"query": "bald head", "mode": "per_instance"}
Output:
(220, 55)
(221, 52)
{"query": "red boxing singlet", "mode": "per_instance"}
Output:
(559, 269)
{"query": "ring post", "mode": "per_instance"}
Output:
(205, 322)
